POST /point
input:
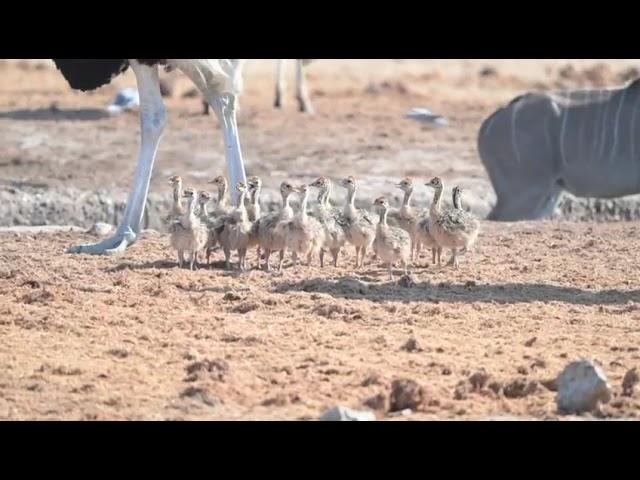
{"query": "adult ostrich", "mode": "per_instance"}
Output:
(302, 93)
(220, 82)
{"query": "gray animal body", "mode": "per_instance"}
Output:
(585, 142)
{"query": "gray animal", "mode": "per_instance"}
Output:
(586, 142)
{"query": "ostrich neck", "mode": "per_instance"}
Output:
(383, 218)
(435, 204)
(222, 195)
(191, 213)
(303, 205)
(327, 194)
(241, 210)
(176, 193)
(191, 208)
(350, 205)
(204, 210)
(287, 211)
(255, 196)
(406, 200)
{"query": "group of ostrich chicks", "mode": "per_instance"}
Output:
(396, 235)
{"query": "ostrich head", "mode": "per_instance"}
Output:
(254, 183)
(349, 183)
(405, 184)
(435, 182)
(219, 181)
(381, 204)
(189, 193)
(286, 188)
(321, 183)
(204, 197)
(175, 180)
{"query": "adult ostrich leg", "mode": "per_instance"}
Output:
(220, 82)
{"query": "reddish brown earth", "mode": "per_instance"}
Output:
(85, 337)
(135, 337)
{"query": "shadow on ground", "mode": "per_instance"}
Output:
(49, 114)
(501, 293)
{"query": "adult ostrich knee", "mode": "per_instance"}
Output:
(219, 80)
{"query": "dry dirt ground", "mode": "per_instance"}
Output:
(134, 337)
(84, 337)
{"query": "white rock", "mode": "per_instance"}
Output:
(127, 99)
(101, 229)
(343, 414)
(427, 117)
(582, 386)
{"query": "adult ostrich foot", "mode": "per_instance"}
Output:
(152, 122)
(115, 245)
(304, 106)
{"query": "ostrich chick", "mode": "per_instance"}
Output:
(203, 199)
(360, 227)
(304, 235)
(203, 214)
(456, 200)
(266, 229)
(391, 244)
(331, 219)
(253, 211)
(237, 231)
(406, 217)
(424, 237)
(177, 209)
(187, 233)
(216, 219)
(222, 206)
(452, 227)
(255, 187)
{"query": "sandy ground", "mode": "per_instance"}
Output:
(134, 337)
(85, 337)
